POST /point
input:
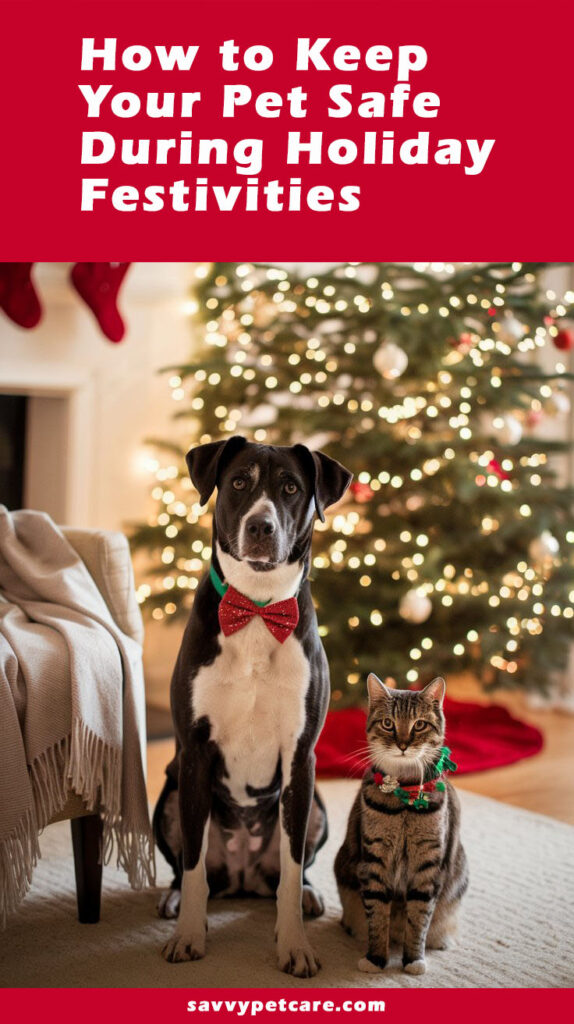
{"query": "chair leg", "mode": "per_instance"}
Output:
(87, 843)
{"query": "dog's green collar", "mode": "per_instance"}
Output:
(222, 587)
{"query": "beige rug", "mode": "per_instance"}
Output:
(517, 926)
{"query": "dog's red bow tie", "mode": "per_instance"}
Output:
(236, 611)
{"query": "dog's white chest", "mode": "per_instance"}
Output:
(254, 697)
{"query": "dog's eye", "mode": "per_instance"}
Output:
(239, 483)
(387, 723)
(420, 724)
(290, 487)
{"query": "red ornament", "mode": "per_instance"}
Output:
(378, 778)
(495, 467)
(362, 492)
(463, 343)
(564, 340)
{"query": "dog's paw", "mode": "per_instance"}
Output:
(298, 960)
(415, 967)
(168, 905)
(181, 948)
(313, 905)
(368, 967)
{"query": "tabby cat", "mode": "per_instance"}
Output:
(401, 871)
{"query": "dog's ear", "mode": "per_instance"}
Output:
(206, 462)
(329, 478)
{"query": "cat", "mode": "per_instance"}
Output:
(402, 871)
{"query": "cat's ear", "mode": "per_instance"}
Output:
(435, 690)
(376, 688)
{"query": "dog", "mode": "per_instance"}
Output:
(239, 814)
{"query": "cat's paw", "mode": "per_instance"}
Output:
(369, 966)
(415, 967)
(313, 905)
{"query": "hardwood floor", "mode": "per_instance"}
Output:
(544, 783)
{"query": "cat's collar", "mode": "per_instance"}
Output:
(416, 795)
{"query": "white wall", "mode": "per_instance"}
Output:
(118, 397)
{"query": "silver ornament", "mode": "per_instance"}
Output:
(390, 360)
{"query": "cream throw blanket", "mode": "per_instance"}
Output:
(71, 706)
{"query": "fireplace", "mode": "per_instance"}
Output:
(42, 465)
(13, 416)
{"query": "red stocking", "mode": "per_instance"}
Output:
(99, 284)
(18, 296)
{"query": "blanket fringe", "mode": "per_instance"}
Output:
(19, 852)
(136, 854)
(95, 773)
(48, 775)
(94, 770)
(85, 764)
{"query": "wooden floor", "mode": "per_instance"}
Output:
(544, 783)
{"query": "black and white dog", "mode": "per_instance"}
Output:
(238, 814)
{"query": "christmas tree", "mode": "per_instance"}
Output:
(453, 548)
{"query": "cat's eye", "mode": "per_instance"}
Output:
(290, 487)
(239, 483)
(387, 723)
(420, 724)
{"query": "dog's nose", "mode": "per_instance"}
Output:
(260, 526)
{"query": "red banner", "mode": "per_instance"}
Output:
(162, 130)
(265, 1005)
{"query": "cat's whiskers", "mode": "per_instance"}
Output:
(362, 758)
(359, 750)
(365, 758)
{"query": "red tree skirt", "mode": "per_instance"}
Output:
(480, 737)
